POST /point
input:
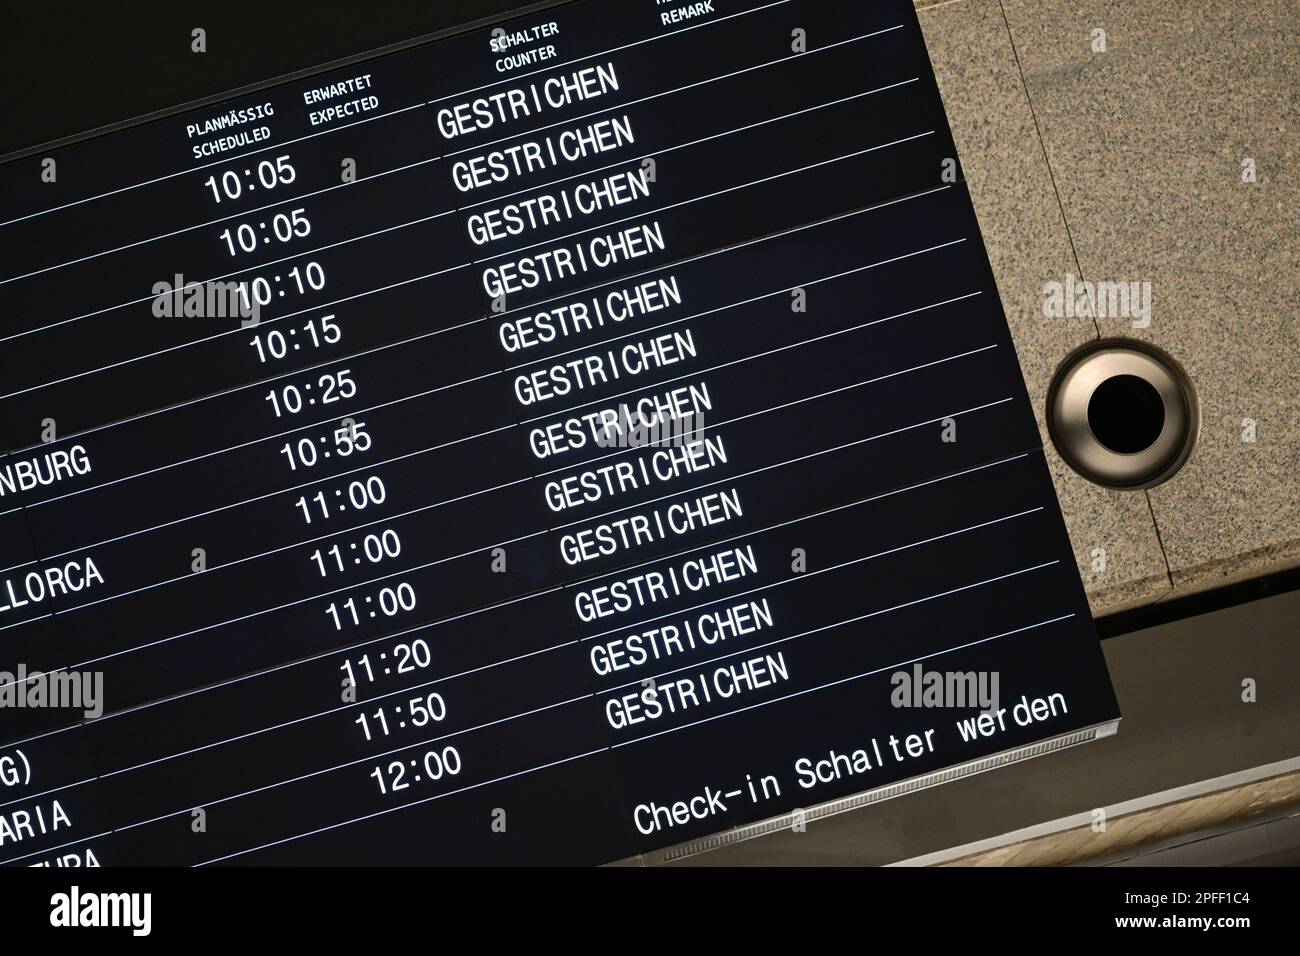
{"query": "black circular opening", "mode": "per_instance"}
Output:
(1126, 414)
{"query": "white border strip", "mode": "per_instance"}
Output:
(1083, 819)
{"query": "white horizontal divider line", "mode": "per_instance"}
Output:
(686, 145)
(852, 620)
(531, 306)
(428, 625)
(514, 78)
(369, 701)
(680, 89)
(550, 530)
(199, 283)
(219, 162)
(792, 521)
(321, 307)
(699, 257)
(567, 644)
(439, 796)
(502, 720)
(441, 388)
(360, 760)
(803, 576)
(543, 474)
(434, 159)
(379, 813)
(704, 196)
(750, 301)
(214, 222)
(354, 355)
(533, 711)
(721, 365)
(846, 680)
(370, 119)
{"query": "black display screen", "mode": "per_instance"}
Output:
(546, 444)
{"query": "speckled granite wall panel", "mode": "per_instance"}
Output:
(1149, 143)
(1113, 535)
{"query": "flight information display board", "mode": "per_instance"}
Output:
(552, 443)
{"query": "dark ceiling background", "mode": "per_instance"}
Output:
(67, 68)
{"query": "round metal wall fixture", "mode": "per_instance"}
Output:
(1122, 413)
